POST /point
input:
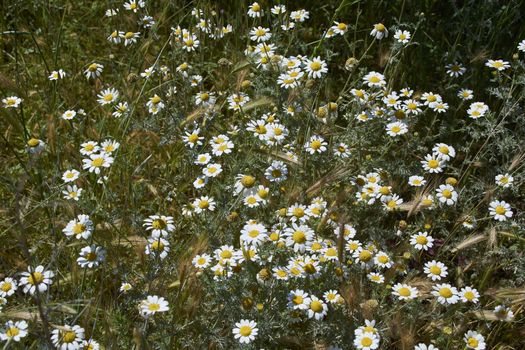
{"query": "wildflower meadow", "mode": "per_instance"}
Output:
(339, 174)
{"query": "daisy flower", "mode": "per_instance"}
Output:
(445, 293)
(236, 101)
(402, 36)
(69, 115)
(474, 340)
(422, 241)
(422, 346)
(317, 308)
(260, 34)
(504, 313)
(298, 236)
(396, 129)
(70, 175)
(57, 74)
(433, 164)
(91, 256)
(276, 172)
(416, 181)
(374, 79)
(504, 180)
(11, 102)
(521, 46)
(203, 204)
(153, 304)
(67, 337)
(404, 291)
(435, 270)
(447, 194)
(379, 31)
(500, 210)
(96, 162)
(254, 234)
(125, 287)
(201, 261)
(444, 151)
(108, 96)
(315, 67)
(212, 170)
(498, 65)
(316, 144)
(245, 331)
(36, 278)
(14, 331)
(192, 139)
(255, 10)
(366, 341)
(466, 94)
(72, 192)
(7, 287)
(455, 69)
(469, 294)
(35, 146)
(134, 5)
(81, 227)
(298, 300)
(93, 70)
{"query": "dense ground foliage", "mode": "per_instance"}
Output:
(273, 175)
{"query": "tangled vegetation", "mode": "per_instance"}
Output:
(262, 175)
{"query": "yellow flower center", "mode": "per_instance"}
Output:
(245, 331)
(341, 26)
(316, 306)
(226, 254)
(38, 278)
(6, 287)
(12, 332)
(500, 210)
(155, 99)
(299, 237)
(297, 299)
(383, 259)
(93, 67)
(421, 240)
(374, 79)
(315, 66)
(365, 255)
(157, 245)
(380, 27)
(447, 193)
(193, 138)
(366, 341)
(445, 292)
(435, 270)
(253, 233)
(153, 307)
(204, 204)
(316, 144)
(469, 295)
(68, 337)
(91, 256)
(97, 162)
(404, 291)
(433, 164)
(108, 97)
(472, 342)
(33, 142)
(79, 228)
